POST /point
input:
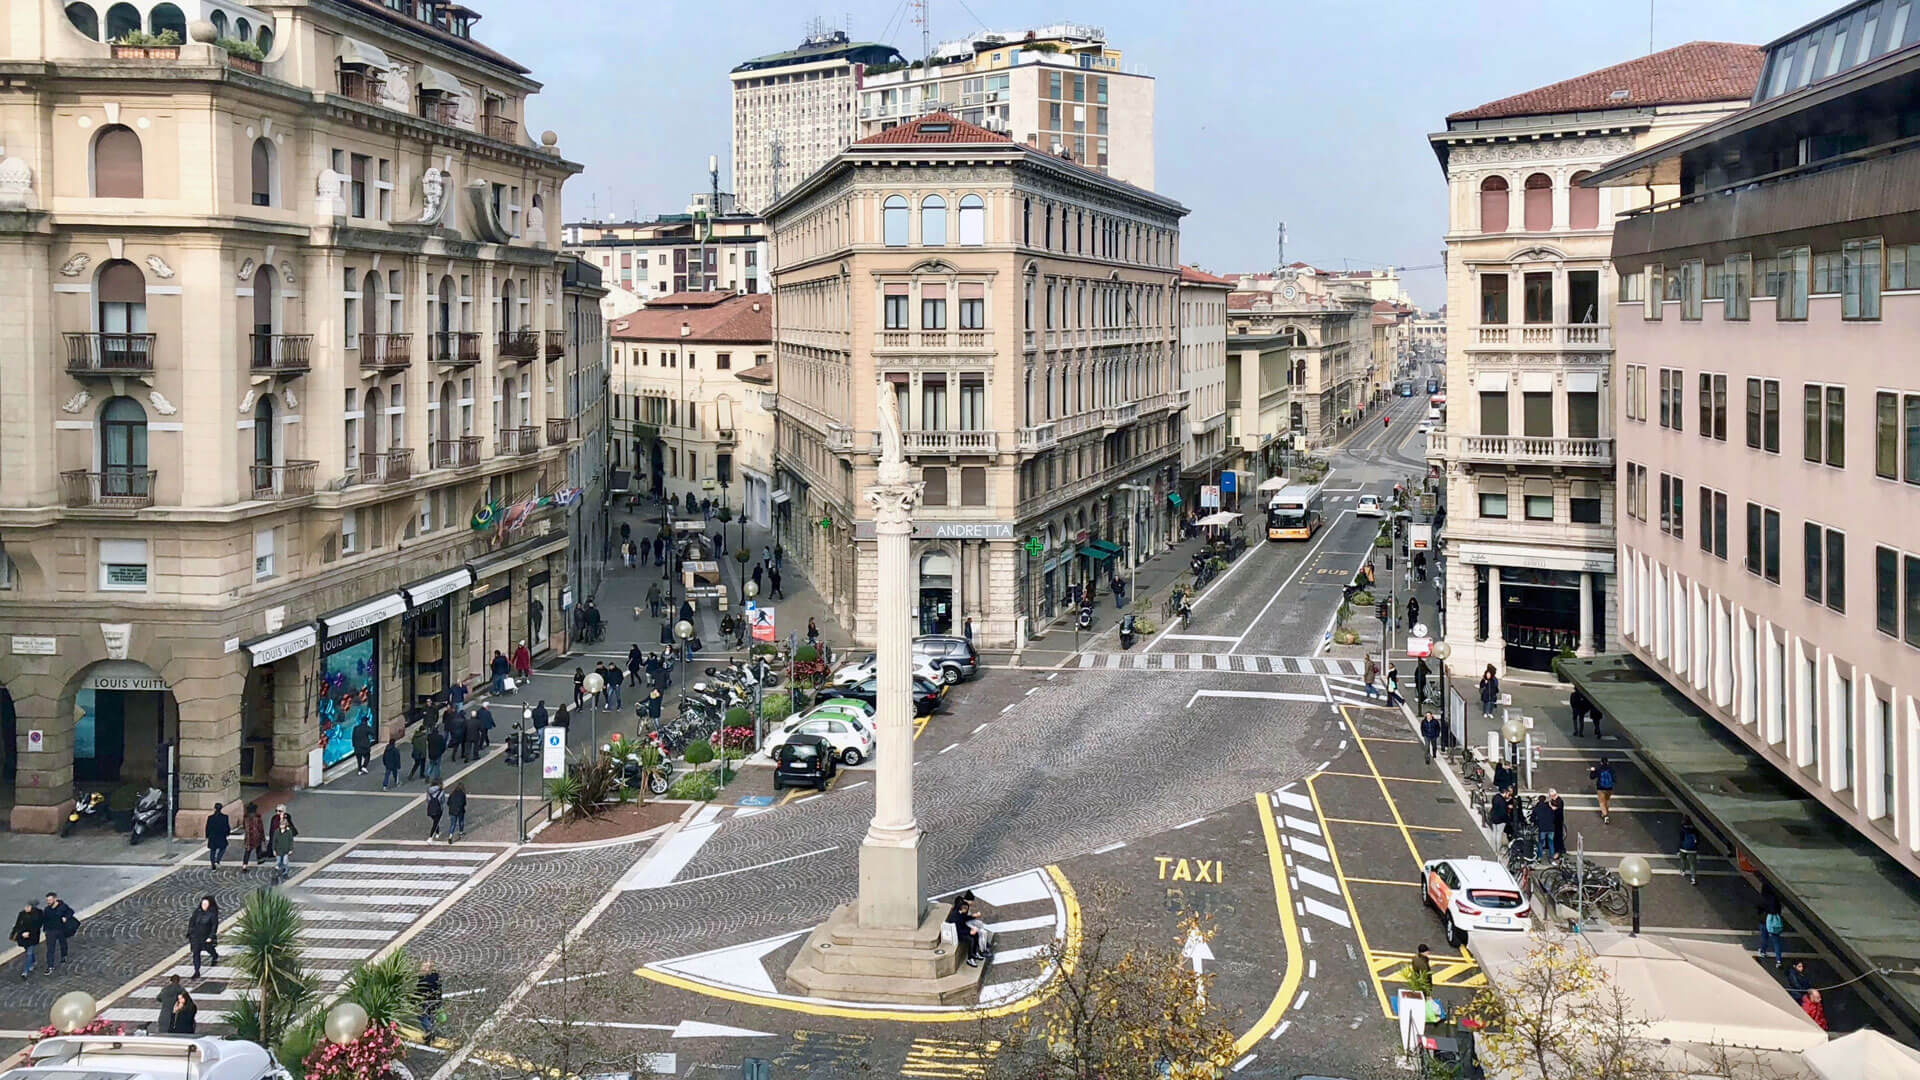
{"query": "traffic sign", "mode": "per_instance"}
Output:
(1421, 538)
(553, 753)
(1419, 645)
(1229, 482)
(1210, 495)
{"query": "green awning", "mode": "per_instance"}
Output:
(1100, 550)
(1173, 497)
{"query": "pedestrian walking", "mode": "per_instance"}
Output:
(779, 559)
(561, 719)
(758, 572)
(1577, 705)
(1413, 610)
(1489, 691)
(813, 632)
(1372, 678)
(185, 1009)
(26, 934)
(1541, 818)
(1602, 776)
(217, 830)
(653, 600)
(1815, 1011)
(203, 931)
(456, 811)
(766, 555)
(501, 669)
(654, 702)
(540, 714)
(1772, 925)
(389, 765)
(419, 745)
(483, 719)
(774, 577)
(1690, 850)
(1797, 982)
(1394, 696)
(1559, 808)
(1420, 674)
(476, 739)
(1503, 775)
(436, 749)
(523, 662)
(426, 991)
(253, 833)
(169, 994)
(633, 665)
(968, 629)
(456, 729)
(579, 686)
(280, 833)
(362, 745)
(457, 695)
(1515, 813)
(436, 804)
(58, 924)
(1430, 734)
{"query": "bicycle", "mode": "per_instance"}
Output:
(1605, 891)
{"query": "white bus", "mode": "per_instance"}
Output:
(1295, 512)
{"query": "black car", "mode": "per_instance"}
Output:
(956, 657)
(926, 695)
(804, 761)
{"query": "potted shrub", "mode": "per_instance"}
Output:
(140, 45)
(244, 55)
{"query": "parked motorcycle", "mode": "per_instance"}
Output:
(149, 815)
(1126, 632)
(89, 807)
(1086, 617)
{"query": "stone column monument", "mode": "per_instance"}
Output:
(886, 945)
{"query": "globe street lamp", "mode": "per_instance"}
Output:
(684, 631)
(1441, 651)
(520, 759)
(72, 1011)
(1515, 732)
(1635, 874)
(749, 590)
(592, 685)
(345, 1023)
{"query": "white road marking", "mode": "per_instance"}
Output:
(1281, 1030)
(672, 856)
(1302, 824)
(1115, 846)
(1334, 915)
(1306, 936)
(1323, 882)
(1014, 925)
(1244, 1062)
(1200, 637)
(849, 787)
(1308, 847)
(979, 729)
(1009, 956)
(1186, 824)
(1009, 707)
(1302, 999)
(1254, 695)
(1313, 969)
(1293, 798)
(948, 747)
(1325, 531)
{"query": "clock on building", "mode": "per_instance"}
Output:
(1288, 292)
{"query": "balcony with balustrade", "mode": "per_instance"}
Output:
(386, 352)
(456, 348)
(524, 439)
(1524, 449)
(109, 354)
(460, 452)
(280, 354)
(559, 430)
(556, 344)
(1535, 336)
(1032, 440)
(361, 86)
(504, 128)
(951, 443)
(1115, 417)
(109, 489)
(937, 341)
(393, 466)
(287, 481)
(517, 345)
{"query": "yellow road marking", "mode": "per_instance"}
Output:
(1395, 779)
(794, 793)
(948, 1058)
(920, 724)
(1401, 825)
(1393, 806)
(1446, 971)
(1384, 881)
(1289, 935)
(1069, 956)
(1353, 913)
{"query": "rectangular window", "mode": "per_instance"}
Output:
(1493, 504)
(1763, 542)
(1763, 414)
(973, 486)
(1771, 521)
(1720, 525)
(1538, 496)
(1738, 285)
(935, 491)
(1656, 290)
(1493, 412)
(1674, 512)
(1692, 283)
(1583, 502)
(1886, 591)
(1837, 426)
(723, 361)
(1837, 570)
(933, 314)
(262, 554)
(1860, 287)
(1583, 414)
(1793, 273)
(1637, 392)
(123, 565)
(1538, 301)
(1493, 299)
(349, 531)
(1912, 614)
(1536, 414)
(1672, 398)
(357, 186)
(896, 312)
(1886, 435)
(973, 313)
(1815, 550)
(1583, 297)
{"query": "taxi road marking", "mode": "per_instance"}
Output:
(1447, 970)
(1177, 869)
(947, 1058)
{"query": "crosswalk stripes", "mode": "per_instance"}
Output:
(1309, 859)
(1240, 662)
(348, 915)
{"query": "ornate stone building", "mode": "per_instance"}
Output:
(1527, 442)
(1023, 311)
(275, 329)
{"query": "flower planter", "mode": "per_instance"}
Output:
(241, 63)
(146, 52)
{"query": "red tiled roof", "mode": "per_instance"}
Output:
(1192, 276)
(758, 373)
(947, 129)
(1239, 301)
(745, 320)
(690, 299)
(1687, 74)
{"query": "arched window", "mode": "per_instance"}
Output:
(1493, 204)
(265, 288)
(933, 221)
(893, 221)
(123, 449)
(122, 19)
(1539, 203)
(374, 426)
(1583, 204)
(117, 169)
(262, 186)
(443, 423)
(121, 293)
(263, 443)
(263, 40)
(370, 302)
(219, 24)
(973, 221)
(506, 304)
(506, 403)
(84, 19)
(243, 29)
(165, 17)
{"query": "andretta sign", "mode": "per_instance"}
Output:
(946, 530)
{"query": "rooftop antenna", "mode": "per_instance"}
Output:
(1283, 247)
(1650, 7)
(926, 50)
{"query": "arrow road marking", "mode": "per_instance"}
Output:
(1197, 951)
(685, 1029)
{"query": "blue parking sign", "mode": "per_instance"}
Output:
(1229, 482)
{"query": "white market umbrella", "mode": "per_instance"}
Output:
(1864, 1055)
(1273, 483)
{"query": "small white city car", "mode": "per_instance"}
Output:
(846, 731)
(144, 1057)
(1473, 896)
(1369, 506)
(868, 667)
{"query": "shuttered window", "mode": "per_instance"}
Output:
(117, 169)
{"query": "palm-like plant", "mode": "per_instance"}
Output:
(266, 953)
(387, 987)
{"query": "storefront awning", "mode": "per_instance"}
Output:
(281, 645)
(432, 78)
(1100, 550)
(432, 589)
(1173, 498)
(525, 551)
(367, 614)
(359, 52)
(780, 497)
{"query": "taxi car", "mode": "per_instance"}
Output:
(1474, 895)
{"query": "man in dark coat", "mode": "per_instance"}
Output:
(218, 829)
(59, 924)
(457, 735)
(474, 735)
(483, 719)
(390, 764)
(169, 994)
(1541, 817)
(436, 749)
(419, 745)
(362, 746)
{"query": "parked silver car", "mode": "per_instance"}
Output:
(956, 657)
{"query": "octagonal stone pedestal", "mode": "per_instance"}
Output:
(842, 961)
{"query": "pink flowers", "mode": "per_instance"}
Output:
(365, 1058)
(98, 1026)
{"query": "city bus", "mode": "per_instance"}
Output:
(1295, 513)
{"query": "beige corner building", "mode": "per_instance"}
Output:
(1206, 448)
(276, 328)
(1024, 311)
(1327, 324)
(1527, 442)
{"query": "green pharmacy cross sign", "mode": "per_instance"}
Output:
(1035, 546)
(826, 523)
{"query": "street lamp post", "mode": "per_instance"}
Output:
(1442, 650)
(674, 582)
(72, 1011)
(346, 1022)
(748, 592)
(1635, 874)
(592, 685)
(684, 631)
(1515, 733)
(520, 770)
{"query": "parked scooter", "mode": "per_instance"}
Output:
(1086, 617)
(89, 808)
(1126, 632)
(149, 815)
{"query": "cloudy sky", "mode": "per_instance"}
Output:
(1312, 114)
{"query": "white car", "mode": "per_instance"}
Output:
(1425, 427)
(869, 667)
(1474, 896)
(1369, 506)
(850, 736)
